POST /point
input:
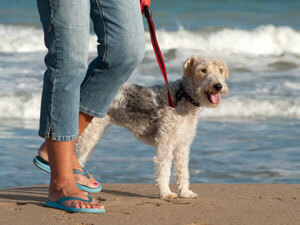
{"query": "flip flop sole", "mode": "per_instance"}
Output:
(41, 165)
(60, 206)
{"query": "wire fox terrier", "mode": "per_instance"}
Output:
(144, 111)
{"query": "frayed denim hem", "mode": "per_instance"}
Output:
(91, 112)
(59, 138)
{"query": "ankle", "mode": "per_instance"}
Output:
(76, 164)
(42, 152)
(59, 184)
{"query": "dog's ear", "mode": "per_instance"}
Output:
(189, 63)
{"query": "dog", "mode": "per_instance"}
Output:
(144, 111)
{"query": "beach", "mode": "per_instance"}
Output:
(252, 137)
(128, 204)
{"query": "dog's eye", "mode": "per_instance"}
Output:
(204, 70)
(221, 70)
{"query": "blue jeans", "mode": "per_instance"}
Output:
(70, 84)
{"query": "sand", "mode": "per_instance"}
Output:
(217, 204)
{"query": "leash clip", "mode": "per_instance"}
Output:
(147, 11)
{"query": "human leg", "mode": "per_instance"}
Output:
(120, 33)
(83, 121)
(66, 29)
(62, 182)
(119, 28)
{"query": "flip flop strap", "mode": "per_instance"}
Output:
(75, 171)
(42, 160)
(84, 173)
(74, 198)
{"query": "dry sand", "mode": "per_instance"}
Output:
(217, 204)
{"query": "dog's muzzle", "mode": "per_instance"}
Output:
(214, 96)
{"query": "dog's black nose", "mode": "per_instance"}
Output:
(218, 86)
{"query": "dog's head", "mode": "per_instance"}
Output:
(206, 79)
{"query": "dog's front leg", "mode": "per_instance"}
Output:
(88, 140)
(181, 169)
(163, 163)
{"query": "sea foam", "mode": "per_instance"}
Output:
(263, 41)
(18, 106)
(22, 50)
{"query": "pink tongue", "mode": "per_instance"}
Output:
(215, 98)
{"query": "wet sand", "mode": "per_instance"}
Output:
(217, 204)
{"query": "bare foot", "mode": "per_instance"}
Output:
(83, 180)
(69, 189)
(80, 179)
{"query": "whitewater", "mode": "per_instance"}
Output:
(263, 65)
(262, 41)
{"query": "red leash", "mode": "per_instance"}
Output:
(159, 57)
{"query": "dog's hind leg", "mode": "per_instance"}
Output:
(181, 170)
(163, 163)
(87, 142)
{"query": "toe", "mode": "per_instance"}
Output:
(97, 205)
(82, 205)
(85, 181)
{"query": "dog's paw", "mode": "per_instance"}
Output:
(169, 195)
(187, 194)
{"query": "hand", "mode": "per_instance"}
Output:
(144, 3)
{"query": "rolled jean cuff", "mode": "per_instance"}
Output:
(58, 138)
(91, 112)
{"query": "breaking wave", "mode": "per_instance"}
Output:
(27, 106)
(263, 41)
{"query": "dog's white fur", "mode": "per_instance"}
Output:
(145, 112)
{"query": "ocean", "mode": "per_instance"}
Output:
(252, 137)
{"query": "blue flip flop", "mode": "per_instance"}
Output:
(44, 165)
(58, 205)
(83, 187)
